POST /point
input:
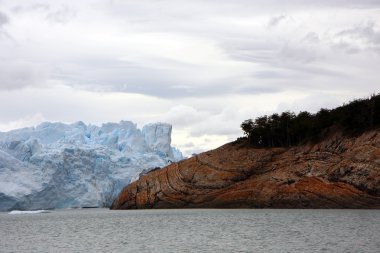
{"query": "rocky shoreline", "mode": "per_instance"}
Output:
(338, 172)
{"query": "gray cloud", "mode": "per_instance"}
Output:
(366, 31)
(4, 35)
(106, 75)
(273, 51)
(276, 20)
(361, 37)
(32, 7)
(183, 116)
(311, 37)
(287, 60)
(270, 57)
(188, 145)
(270, 74)
(113, 75)
(204, 66)
(40, 6)
(61, 15)
(3, 19)
(16, 75)
(313, 103)
(196, 8)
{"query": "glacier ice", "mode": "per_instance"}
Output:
(28, 212)
(57, 165)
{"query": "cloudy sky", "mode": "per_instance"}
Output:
(202, 65)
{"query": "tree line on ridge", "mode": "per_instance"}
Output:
(290, 129)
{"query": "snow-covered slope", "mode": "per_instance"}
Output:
(56, 165)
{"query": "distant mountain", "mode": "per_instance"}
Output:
(56, 165)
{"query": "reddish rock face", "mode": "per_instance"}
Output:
(338, 172)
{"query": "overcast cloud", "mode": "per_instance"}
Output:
(203, 66)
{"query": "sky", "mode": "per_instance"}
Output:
(202, 65)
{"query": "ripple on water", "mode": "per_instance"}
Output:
(216, 230)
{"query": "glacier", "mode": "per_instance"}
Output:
(57, 165)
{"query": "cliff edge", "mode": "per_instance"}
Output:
(338, 172)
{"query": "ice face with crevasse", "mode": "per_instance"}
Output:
(56, 165)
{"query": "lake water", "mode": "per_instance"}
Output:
(207, 230)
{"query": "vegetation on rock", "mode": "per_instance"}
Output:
(290, 129)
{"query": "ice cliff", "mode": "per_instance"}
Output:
(56, 165)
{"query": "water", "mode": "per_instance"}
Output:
(207, 230)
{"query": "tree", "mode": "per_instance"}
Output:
(288, 129)
(247, 126)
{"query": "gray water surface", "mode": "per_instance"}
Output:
(194, 230)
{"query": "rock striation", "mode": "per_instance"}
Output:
(338, 172)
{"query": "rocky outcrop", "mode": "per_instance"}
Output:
(339, 172)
